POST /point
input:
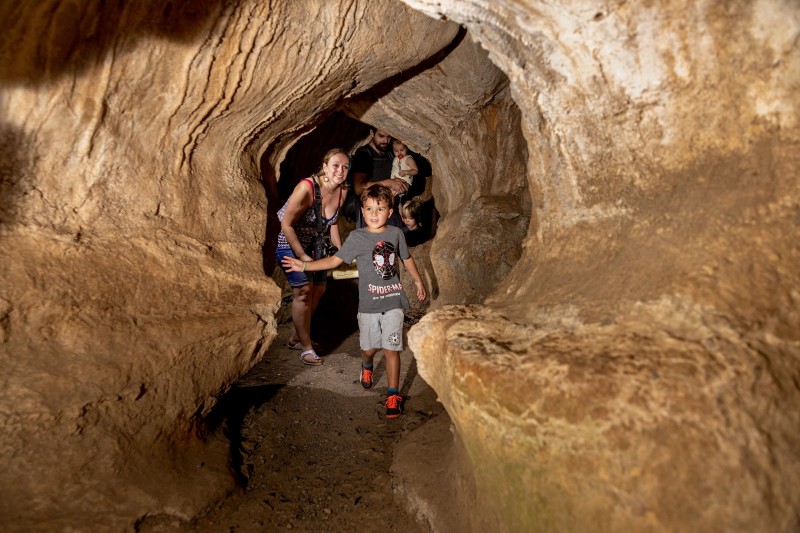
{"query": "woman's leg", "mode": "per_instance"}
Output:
(301, 314)
(301, 301)
(312, 298)
(317, 290)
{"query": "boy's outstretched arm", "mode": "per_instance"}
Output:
(295, 265)
(411, 266)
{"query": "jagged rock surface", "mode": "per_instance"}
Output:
(638, 368)
(133, 213)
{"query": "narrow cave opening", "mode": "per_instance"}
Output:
(471, 132)
(304, 159)
(457, 112)
(339, 130)
(281, 414)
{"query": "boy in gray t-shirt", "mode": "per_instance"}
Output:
(381, 298)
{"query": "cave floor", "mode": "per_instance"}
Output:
(315, 449)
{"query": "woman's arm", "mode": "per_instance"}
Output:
(336, 237)
(300, 201)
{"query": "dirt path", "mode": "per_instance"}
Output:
(315, 448)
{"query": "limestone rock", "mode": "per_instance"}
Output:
(133, 211)
(638, 368)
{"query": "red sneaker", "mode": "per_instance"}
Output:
(394, 406)
(366, 378)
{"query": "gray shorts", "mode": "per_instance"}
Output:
(381, 330)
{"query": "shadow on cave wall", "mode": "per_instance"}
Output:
(229, 413)
(15, 148)
(53, 38)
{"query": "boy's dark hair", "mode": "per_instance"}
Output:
(379, 193)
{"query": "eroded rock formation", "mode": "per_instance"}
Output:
(638, 368)
(618, 186)
(133, 216)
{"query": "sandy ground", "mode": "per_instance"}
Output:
(315, 449)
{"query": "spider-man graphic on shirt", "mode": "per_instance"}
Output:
(383, 257)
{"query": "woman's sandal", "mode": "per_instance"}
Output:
(298, 346)
(313, 360)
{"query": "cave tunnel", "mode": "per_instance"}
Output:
(615, 329)
(340, 131)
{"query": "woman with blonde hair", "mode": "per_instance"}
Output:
(299, 227)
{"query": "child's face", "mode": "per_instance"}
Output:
(375, 214)
(408, 218)
(400, 151)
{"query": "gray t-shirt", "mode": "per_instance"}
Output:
(378, 256)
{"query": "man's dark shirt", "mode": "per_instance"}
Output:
(377, 167)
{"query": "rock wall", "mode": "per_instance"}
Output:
(133, 214)
(638, 368)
